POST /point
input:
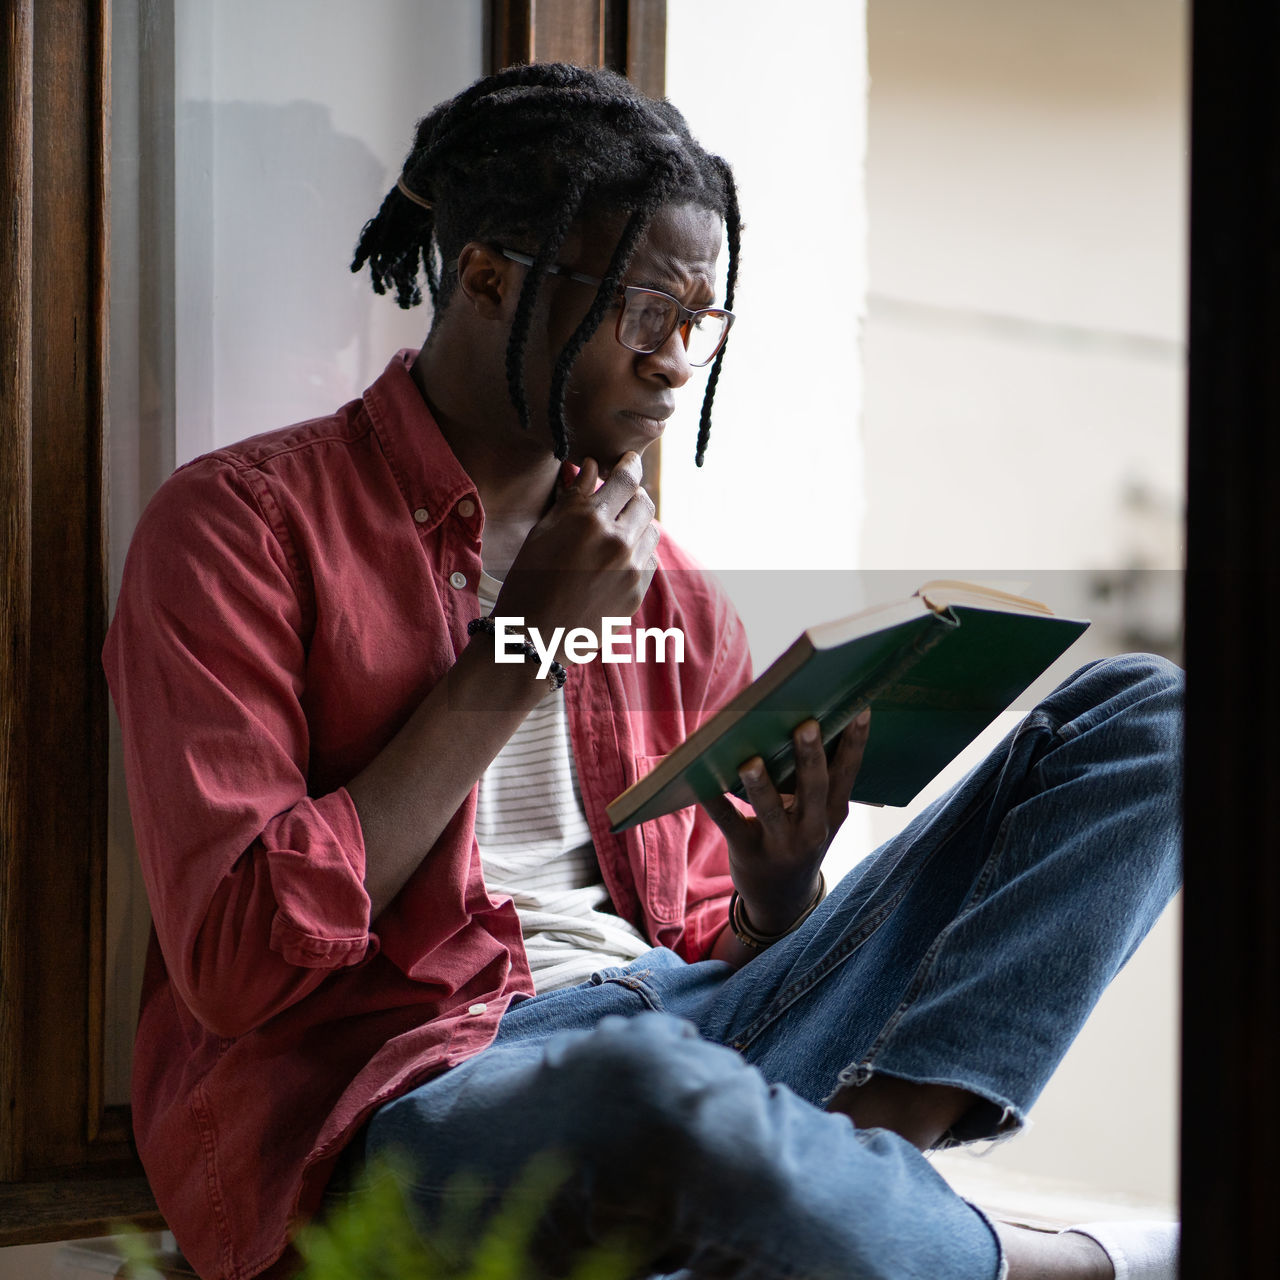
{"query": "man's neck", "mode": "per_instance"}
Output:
(514, 474)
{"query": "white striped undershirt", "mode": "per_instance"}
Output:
(535, 848)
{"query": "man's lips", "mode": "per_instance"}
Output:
(651, 420)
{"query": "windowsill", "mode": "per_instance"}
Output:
(1034, 1200)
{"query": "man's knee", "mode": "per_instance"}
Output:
(636, 1083)
(1147, 673)
(1145, 689)
(647, 1113)
(1155, 675)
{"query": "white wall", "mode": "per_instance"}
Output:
(1024, 366)
(791, 392)
(1027, 270)
(777, 508)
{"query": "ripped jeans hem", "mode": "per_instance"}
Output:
(992, 1119)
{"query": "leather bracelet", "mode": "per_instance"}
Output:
(556, 676)
(760, 941)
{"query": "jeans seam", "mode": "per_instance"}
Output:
(925, 967)
(815, 974)
(636, 982)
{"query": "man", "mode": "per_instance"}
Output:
(389, 913)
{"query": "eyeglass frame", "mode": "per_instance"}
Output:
(685, 315)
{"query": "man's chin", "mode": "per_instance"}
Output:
(606, 465)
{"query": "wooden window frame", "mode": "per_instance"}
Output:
(66, 1166)
(66, 1161)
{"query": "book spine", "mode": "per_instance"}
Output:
(842, 714)
(837, 717)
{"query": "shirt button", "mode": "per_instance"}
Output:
(476, 1009)
(457, 579)
(421, 515)
(466, 508)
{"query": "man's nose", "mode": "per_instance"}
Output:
(671, 359)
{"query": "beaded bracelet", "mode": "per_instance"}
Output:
(557, 674)
(759, 941)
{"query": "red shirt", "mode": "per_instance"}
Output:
(287, 602)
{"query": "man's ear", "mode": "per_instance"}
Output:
(486, 278)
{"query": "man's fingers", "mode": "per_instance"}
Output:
(845, 765)
(763, 795)
(648, 545)
(648, 569)
(811, 784)
(620, 487)
(725, 816)
(582, 483)
(637, 513)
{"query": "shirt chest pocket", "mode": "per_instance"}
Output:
(665, 869)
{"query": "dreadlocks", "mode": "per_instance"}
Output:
(521, 156)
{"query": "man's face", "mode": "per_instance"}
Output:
(620, 399)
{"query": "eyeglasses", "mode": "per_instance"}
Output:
(649, 317)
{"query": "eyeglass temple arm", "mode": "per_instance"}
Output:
(526, 260)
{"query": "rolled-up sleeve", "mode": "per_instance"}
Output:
(256, 887)
(315, 858)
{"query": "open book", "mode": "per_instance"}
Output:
(936, 669)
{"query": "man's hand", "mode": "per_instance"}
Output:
(775, 856)
(590, 557)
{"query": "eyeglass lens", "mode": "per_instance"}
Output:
(648, 319)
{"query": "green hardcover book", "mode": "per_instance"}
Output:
(935, 669)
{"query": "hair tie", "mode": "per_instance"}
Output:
(412, 195)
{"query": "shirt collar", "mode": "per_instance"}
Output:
(429, 474)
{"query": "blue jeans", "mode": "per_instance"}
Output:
(687, 1099)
